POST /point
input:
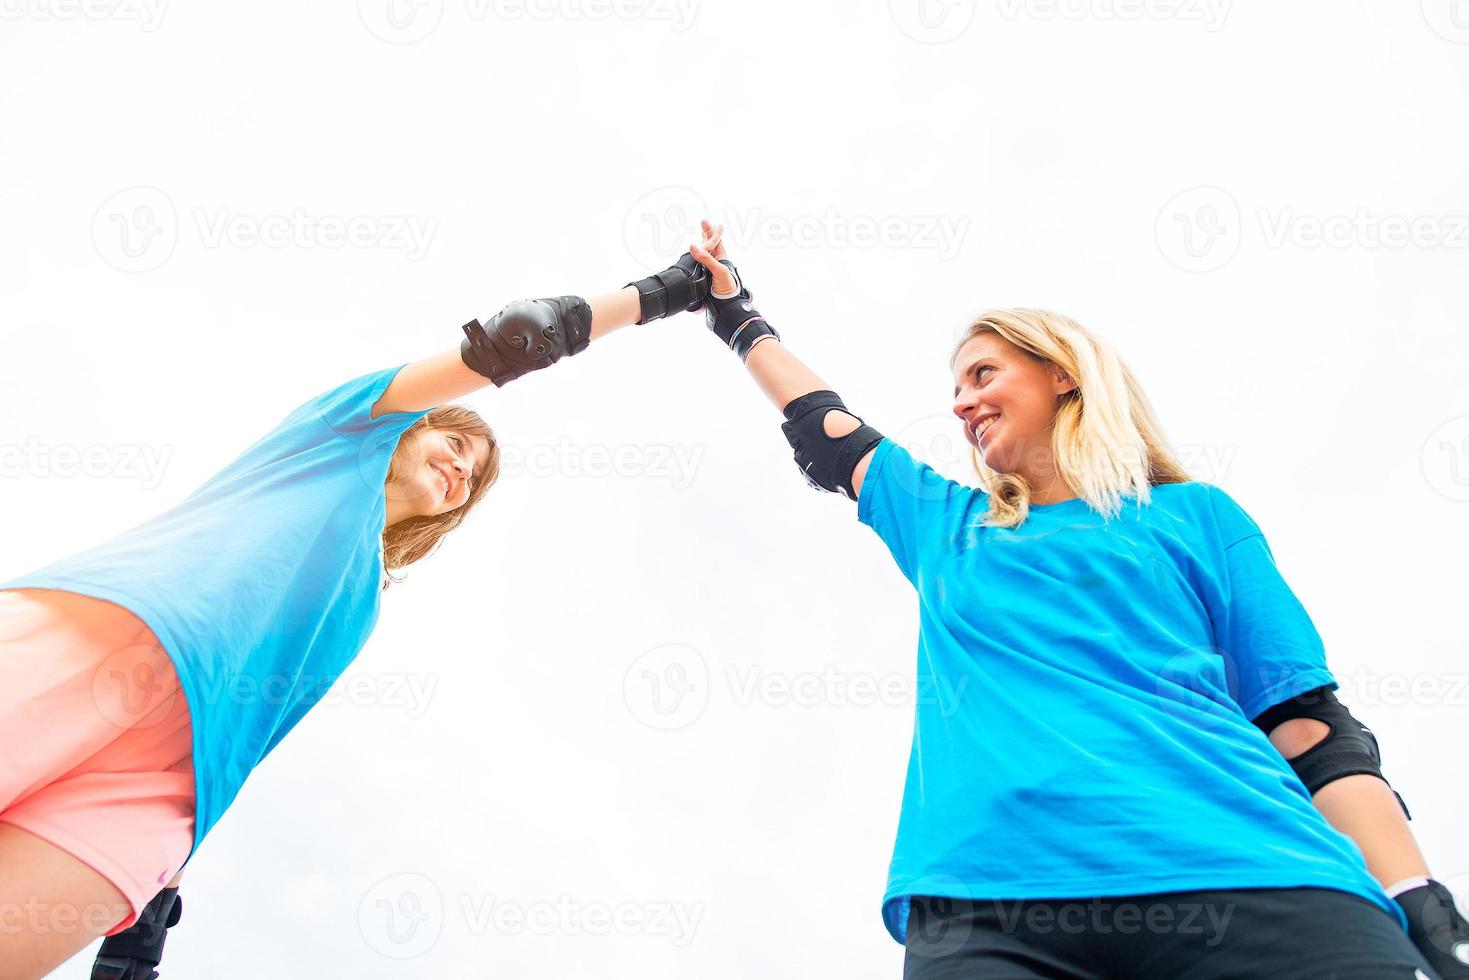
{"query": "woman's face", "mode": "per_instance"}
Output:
(1007, 402)
(437, 470)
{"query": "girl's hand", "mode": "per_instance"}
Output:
(722, 280)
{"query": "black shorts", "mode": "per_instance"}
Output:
(1235, 934)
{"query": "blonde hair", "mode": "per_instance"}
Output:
(1105, 439)
(414, 538)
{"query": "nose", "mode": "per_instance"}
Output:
(965, 404)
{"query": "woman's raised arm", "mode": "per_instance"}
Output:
(833, 447)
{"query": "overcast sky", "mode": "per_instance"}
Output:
(672, 742)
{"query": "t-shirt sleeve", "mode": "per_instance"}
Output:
(347, 407)
(907, 502)
(1263, 629)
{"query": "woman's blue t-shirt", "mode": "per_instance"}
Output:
(263, 584)
(1093, 736)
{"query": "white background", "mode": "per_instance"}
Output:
(1161, 171)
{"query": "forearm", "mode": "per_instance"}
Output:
(780, 374)
(1364, 808)
(610, 311)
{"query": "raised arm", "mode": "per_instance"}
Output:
(529, 335)
(833, 447)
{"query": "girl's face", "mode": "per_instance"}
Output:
(1007, 401)
(438, 468)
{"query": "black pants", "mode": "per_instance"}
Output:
(1237, 934)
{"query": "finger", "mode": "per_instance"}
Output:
(718, 248)
(701, 255)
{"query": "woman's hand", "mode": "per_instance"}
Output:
(723, 282)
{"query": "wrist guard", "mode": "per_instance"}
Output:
(525, 336)
(679, 288)
(734, 319)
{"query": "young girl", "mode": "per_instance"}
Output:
(143, 680)
(1100, 804)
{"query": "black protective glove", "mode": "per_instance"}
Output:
(734, 319)
(681, 287)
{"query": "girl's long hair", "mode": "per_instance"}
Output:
(1106, 441)
(415, 538)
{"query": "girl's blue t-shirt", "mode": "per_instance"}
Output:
(1087, 688)
(263, 584)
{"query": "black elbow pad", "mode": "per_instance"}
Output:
(826, 462)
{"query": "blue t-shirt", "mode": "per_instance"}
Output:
(1086, 688)
(263, 584)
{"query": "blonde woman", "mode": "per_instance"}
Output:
(143, 680)
(1099, 804)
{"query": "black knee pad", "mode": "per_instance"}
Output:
(1349, 748)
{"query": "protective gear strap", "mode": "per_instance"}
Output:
(734, 319)
(1349, 748)
(679, 288)
(526, 336)
(133, 953)
(827, 462)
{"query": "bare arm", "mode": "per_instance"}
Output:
(444, 377)
(778, 372)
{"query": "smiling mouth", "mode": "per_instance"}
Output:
(977, 428)
(448, 484)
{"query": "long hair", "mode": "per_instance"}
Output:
(414, 538)
(1106, 441)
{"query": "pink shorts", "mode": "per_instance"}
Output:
(97, 754)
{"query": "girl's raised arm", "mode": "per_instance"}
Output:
(529, 335)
